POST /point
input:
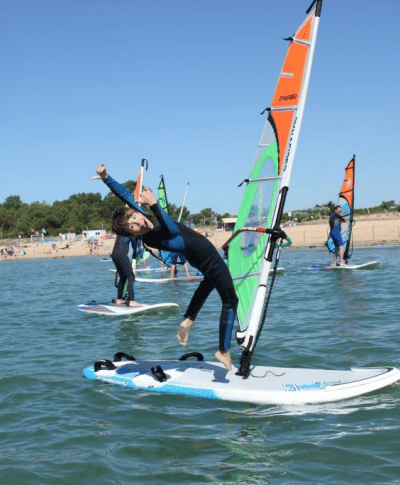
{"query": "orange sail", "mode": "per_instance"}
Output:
(139, 181)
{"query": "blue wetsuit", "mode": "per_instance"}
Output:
(335, 233)
(175, 237)
(173, 258)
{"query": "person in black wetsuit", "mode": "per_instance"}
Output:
(161, 232)
(335, 221)
(123, 265)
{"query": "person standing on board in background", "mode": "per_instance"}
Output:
(161, 232)
(172, 261)
(335, 221)
(139, 254)
(123, 265)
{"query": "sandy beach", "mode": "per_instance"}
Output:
(368, 230)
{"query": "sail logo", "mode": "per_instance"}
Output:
(288, 97)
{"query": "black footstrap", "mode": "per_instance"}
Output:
(104, 363)
(122, 355)
(192, 354)
(158, 373)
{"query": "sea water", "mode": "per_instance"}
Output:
(58, 428)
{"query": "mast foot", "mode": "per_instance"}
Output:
(244, 369)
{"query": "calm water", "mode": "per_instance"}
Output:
(58, 428)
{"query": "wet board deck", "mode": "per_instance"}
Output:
(168, 280)
(109, 308)
(370, 265)
(265, 385)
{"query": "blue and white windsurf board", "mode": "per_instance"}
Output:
(265, 385)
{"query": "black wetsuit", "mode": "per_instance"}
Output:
(123, 265)
(176, 237)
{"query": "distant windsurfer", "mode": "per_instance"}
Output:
(162, 233)
(335, 221)
(172, 261)
(123, 265)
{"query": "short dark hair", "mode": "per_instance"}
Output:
(338, 207)
(120, 221)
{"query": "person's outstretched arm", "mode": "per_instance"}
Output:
(120, 191)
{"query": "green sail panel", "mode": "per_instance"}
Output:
(162, 195)
(246, 251)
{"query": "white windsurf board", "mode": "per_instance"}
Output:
(265, 385)
(370, 265)
(112, 309)
(168, 279)
(143, 270)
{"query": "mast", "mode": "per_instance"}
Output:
(183, 203)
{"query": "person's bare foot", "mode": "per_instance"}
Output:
(134, 304)
(120, 302)
(225, 358)
(183, 332)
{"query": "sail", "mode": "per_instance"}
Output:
(163, 202)
(346, 203)
(139, 180)
(162, 195)
(251, 253)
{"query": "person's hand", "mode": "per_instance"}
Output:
(147, 197)
(101, 172)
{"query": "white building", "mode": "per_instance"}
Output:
(228, 223)
(97, 233)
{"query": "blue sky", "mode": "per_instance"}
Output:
(182, 84)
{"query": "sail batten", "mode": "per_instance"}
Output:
(284, 108)
(251, 254)
(260, 179)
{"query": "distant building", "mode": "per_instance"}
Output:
(97, 233)
(228, 223)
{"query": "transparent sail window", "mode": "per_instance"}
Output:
(261, 210)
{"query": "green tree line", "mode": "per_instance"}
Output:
(323, 211)
(78, 213)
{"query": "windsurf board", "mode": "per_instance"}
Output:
(370, 265)
(168, 279)
(112, 309)
(265, 385)
(142, 270)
